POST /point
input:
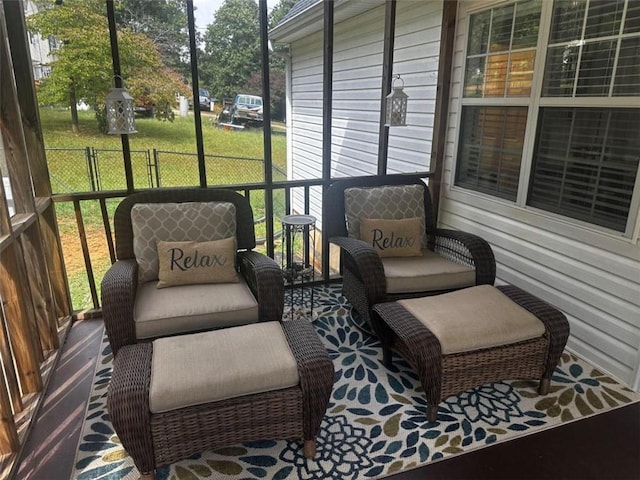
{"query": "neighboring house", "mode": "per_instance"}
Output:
(543, 140)
(40, 48)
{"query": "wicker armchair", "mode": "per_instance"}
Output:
(121, 290)
(367, 278)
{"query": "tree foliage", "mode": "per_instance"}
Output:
(164, 22)
(82, 66)
(232, 48)
(232, 61)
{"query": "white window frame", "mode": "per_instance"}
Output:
(534, 102)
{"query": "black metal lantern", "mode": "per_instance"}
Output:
(396, 107)
(120, 113)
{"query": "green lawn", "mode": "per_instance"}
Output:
(90, 160)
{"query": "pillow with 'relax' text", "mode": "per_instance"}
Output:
(393, 238)
(186, 263)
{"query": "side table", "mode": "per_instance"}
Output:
(299, 270)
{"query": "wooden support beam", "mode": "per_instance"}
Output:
(10, 377)
(41, 295)
(9, 440)
(387, 75)
(35, 153)
(14, 290)
(441, 117)
(85, 253)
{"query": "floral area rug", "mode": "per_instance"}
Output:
(375, 422)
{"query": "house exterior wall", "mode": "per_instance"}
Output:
(357, 81)
(39, 47)
(590, 274)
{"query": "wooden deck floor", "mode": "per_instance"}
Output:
(606, 446)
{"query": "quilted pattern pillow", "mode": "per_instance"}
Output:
(176, 222)
(390, 202)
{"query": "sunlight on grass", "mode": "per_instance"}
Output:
(162, 153)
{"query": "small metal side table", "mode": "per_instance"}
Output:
(299, 231)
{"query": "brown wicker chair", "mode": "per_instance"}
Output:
(120, 286)
(364, 279)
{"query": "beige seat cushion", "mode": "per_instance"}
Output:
(210, 366)
(425, 273)
(187, 308)
(474, 318)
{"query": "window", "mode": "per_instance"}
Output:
(585, 164)
(576, 92)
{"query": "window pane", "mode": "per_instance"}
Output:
(479, 33)
(603, 18)
(474, 77)
(496, 75)
(508, 70)
(628, 72)
(560, 71)
(490, 150)
(567, 20)
(525, 29)
(596, 68)
(632, 22)
(585, 164)
(521, 73)
(501, 26)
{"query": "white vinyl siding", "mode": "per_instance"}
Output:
(357, 80)
(591, 274)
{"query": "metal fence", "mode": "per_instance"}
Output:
(90, 169)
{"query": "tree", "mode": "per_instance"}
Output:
(82, 68)
(164, 22)
(277, 62)
(232, 48)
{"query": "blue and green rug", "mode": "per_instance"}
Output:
(375, 423)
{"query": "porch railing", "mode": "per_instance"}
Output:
(86, 220)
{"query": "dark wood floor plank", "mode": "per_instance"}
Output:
(602, 447)
(50, 449)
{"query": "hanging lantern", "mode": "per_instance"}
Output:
(396, 107)
(120, 114)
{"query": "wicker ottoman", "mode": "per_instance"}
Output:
(178, 396)
(463, 339)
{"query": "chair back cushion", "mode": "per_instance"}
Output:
(245, 229)
(176, 222)
(389, 202)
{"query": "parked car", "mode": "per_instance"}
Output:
(204, 99)
(245, 110)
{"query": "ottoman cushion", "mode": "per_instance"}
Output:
(474, 318)
(206, 367)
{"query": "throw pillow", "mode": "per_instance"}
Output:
(186, 263)
(176, 222)
(393, 238)
(390, 202)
